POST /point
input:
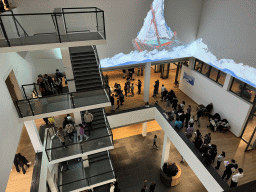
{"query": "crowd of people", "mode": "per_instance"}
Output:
(69, 129)
(48, 85)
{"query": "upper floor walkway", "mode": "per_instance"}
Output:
(65, 27)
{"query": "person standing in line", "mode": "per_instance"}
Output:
(132, 90)
(199, 114)
(125, 89)
(220, 159)
(61, 136)
(174, 103)
(124, 73)
(118, 102)
(155, 89)
(112, 100)
(187, 115)
(112, 187)
(178, 123)
(162, 92)
(20, 160)
(157, 86)
(69, 129)
(128, 83)
(154, 141)
(121, 97)
(88, 118)
(229, 169)
(139, 86)
(152, 187)
(82, 134)
(207, 139)
(236, 177)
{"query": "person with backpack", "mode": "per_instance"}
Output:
(69, 129)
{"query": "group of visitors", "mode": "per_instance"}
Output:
(68, 128)
(48, 85)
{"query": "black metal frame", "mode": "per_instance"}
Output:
(54, 16)
(209, 71)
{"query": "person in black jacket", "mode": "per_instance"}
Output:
(228, 171)
(20, 160)
(139, 86)
(152, 187)
(174, 102)
(112, 100)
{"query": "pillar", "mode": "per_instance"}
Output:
(166, 149)
(85, 162)
(144, 129)
(34, 135)
(77, 117)
(192, 61)
(227, 82)
(147, 73)
(68, 68)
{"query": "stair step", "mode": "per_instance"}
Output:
(94, 111)
(78, 71)
(79, 66)
(87, 74)
(82, 54)
(89, 89)
(85, 79)
(96, 155)
(85, 58)
(87, 61)
(88, 86)
(88, 82)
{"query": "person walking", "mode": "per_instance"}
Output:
(152, 187)
(175, 103)
(162, 92)
(69, 129)
(125, 89)
(139, 86)
(154, 142)
(20, 160)
(61, 136)
(132, 90)
(229, 169)
(220, 159)
(236, 177)
(82, 134)
(112, 101)
(88, 118)
(157, 86)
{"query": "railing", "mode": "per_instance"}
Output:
(31, 88)
(75, 148)
(107, 123)
(62, 101)
(88, 181)
(56, 27)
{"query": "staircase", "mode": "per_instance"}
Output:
(85, 69)
(98, 118)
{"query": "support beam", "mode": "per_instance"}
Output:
(51, 182)
(144, 129)
(77, 117)
(166, 150)
(34, 135)
(68, 68)
(227, 82)
(85, 162)
(147, 81)
(192, 61)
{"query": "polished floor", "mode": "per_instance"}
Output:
(135, 160)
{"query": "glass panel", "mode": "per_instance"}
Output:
(24, 108)
(253, 142)
(81, 22)
(249, 93)
(101, 178)
(222, 78)
(237, 86)
(250, 126)
(100, 23)
(51, 104)
(61, 152)
(214, 73)
(206, 69)
(89, 98)
(96, 144)
(74, 186)
(198, 66)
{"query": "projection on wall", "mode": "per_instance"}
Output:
(156, 41)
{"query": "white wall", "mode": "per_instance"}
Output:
(228, 28)
(11, 125)
(183, 16)
(198, 168)
(227, 104)
(132, 117)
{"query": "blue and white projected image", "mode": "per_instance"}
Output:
(156, 41)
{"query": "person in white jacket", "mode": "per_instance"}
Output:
(112, 187)
(88, 118)
(236, 177)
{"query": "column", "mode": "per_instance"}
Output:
(166, 150)
(68, 68)
(227, 82)
(144, 129)
(147, 72)
(77, 117)
(85, 162)
(34, 135)
(192, 61)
